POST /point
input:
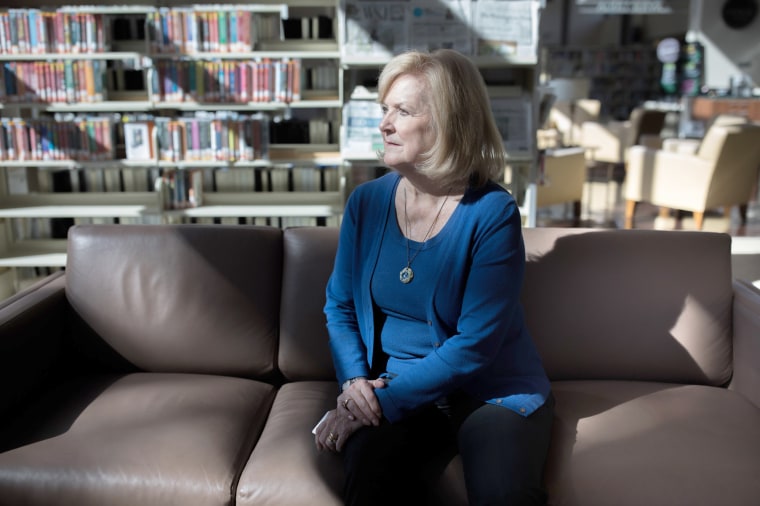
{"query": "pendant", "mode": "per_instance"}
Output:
(406, 275)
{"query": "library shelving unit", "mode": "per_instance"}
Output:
(165, 112)
(621, 77)
(500, 37)
(137, 112)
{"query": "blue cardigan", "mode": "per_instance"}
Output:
(481, 345)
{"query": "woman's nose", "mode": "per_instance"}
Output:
(385, 123)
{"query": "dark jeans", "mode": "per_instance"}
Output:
(503, 455)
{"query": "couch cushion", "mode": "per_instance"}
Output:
(309, 255)
(145, 438)
(285, 467)
(634, 443)
(183, 298)
(632, 305)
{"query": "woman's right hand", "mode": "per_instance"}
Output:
(358, 401)
(333, 432)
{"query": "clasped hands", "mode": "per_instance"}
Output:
(357, 406)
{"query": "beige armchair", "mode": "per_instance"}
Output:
(561, 178)
(722, 173)
(566, 118)
(608, 142)
(690, 146)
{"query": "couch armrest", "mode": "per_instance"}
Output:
(32, 324)
(746, 377)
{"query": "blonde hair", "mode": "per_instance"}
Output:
(468, 149)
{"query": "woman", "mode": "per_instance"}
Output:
(426, 330)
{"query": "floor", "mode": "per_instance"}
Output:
(603, 207)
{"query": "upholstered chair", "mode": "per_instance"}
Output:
(562, 175)
(608, 142)
(722, 172)
(690, 146)
(567, 118)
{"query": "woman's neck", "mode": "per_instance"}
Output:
(418, 186)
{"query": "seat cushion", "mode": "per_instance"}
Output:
(635, 443)
(147, 439)
(285, 468)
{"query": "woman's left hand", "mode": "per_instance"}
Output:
(358, 402)
(334, 431)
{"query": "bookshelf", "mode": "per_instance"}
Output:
(621, 77)
(165, 112)
(153, 79)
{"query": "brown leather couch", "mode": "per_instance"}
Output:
(186, 365)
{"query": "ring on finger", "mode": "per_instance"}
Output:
(345, 402)
(332, 437)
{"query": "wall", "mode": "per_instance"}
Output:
(564, 24)
(725, 48)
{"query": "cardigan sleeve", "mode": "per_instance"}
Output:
(348, 350)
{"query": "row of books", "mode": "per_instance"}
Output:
(65, 81)
(182, 189)
(200, 179)
(24, 31)
(180, 30)
(81, 138)
(228, 81)
(263, 80)
(187, 30)
(226, 137)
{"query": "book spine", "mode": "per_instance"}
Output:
(244, 80)
(196, 140)
(222, 27)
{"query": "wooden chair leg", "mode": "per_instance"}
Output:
(743, 213)
(576, 213)
(630, 211)
(699, 219)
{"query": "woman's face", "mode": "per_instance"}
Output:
(406, 125)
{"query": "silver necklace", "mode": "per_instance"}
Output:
(407, 274)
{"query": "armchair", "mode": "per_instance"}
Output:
(562, 177)
(722, 172)
(608, 142)
(566, 117)
(691, 146)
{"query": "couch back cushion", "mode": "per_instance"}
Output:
(309, 254)
(180, 298)
(600, 304)
(630, 304)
